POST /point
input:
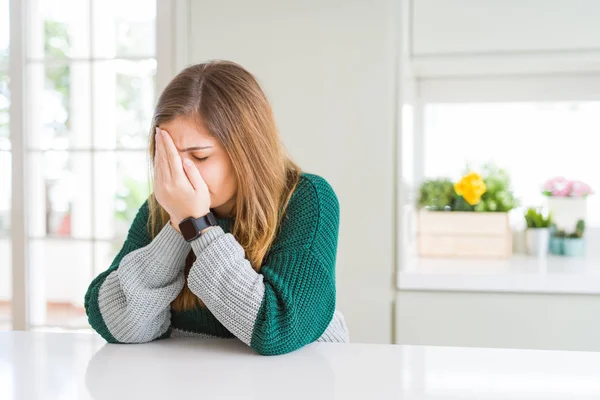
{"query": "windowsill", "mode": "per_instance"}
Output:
(519, 274)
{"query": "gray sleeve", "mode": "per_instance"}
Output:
(225, 281)
(135, 299)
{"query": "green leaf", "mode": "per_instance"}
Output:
(437, 194)
(536, 219)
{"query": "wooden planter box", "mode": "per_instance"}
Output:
(464, 234)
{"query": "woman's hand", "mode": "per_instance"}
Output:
(178, 186)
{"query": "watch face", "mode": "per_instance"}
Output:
(188, 228)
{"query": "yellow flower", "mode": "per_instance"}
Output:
(471, 187)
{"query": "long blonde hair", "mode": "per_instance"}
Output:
(228, 100)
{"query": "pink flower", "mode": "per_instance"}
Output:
(558, 186)
(580, 189)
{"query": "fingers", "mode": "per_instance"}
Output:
(158, 164)
(193, 174)
(161, 152)
(171, 155)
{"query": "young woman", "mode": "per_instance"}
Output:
(235, 241)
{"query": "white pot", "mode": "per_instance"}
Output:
(519, 241)
(538, 240)
(566, 211)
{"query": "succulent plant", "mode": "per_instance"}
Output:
(579, 230)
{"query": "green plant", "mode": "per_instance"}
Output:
(437, 194)
(460, 204)
(440, 194)
(560, 234)
(498, 196)
(579, 230)
(536, 219)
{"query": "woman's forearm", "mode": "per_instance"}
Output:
(135, 298)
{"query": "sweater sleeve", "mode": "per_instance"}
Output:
(130, 302)
(291, 302)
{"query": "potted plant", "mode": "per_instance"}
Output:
(574, 244)
(475, 223)
(538, 232)
(567, 200)
(557, 237)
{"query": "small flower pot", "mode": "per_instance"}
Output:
(557, 246)
(574, 247)
(566, 211)
(538, 241)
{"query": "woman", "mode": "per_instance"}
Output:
(235, 241)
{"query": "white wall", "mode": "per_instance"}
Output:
(498, 37)
(328, 68)
(473, 26)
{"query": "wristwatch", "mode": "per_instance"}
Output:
(191, 227)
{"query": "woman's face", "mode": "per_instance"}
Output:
(195, 143)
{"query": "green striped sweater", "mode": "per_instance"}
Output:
(290, 303)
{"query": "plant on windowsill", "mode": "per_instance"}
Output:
(477, 224)
(562, 187)
(538, 232)
(489, 191)
(567, 200)
(574, 243)
(498, 196)
(557, 240)
(437, 195)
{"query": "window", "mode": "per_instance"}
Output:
(534, 141)
(90, 78)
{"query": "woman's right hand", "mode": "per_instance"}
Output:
(159, 175)
(178, 185)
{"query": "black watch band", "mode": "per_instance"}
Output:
(191, 227)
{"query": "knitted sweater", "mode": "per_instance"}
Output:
(288, 304)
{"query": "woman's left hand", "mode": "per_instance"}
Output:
(178, 186)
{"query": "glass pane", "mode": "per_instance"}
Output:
(60, 272)
(59, 29)
(59, 105)
(120, 188)
(124, 98)
(5, 242)
(60, 194)
(124, 29)
(4, 110)
(532, 141)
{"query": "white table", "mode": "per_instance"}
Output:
(83, 366)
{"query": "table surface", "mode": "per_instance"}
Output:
(37, 365)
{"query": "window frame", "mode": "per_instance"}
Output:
(498, 89)
(22, 288)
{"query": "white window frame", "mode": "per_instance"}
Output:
(20, 150)
(508, 88)
(19, 301)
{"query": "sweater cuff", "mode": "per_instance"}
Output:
(159, 263)
(169, 247)
(201, 243)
